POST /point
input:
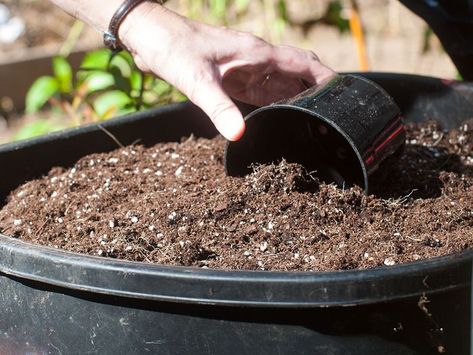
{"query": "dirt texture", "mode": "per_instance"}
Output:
(172, 204)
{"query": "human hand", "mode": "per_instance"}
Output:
(211, 64)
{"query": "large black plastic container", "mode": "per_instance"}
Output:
(55, 302)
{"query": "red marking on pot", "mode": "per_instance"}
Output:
(396, 122)
(400, 128)
(390, 138)
(369, 160)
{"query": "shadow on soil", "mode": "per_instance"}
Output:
(421, 172)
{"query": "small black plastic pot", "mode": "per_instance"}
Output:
(344, 129)
(56, 302)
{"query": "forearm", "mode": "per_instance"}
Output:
(98, 15)
(95, 13)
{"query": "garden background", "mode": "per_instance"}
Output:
(38, 40)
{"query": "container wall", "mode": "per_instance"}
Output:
(48, 320)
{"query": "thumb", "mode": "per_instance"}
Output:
(213, 100)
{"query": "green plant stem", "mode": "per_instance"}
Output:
(72, 38)
(139, 99)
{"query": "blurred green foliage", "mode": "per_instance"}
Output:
(275, 13)
(226, 12)
(36, 128)
(426, 39)
(105, 86)
(334, 16)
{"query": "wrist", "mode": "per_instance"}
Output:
(141, 23)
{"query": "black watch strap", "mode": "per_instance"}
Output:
(110, 37)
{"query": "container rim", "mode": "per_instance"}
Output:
(192, 285)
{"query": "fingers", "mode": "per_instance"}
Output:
(299, 63)
(226, 117)
(264, 90)
(254, 52)
(290, 61)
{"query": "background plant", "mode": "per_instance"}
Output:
(106, 85)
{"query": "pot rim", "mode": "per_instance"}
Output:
(154, 282)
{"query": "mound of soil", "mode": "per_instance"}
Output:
(173, 204)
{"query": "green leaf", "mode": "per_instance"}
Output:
(177, 96)
(36, 128)
(63, 73)
(98, 80)
(135, 81)
(39, 93)
(128, 57)
(123, 63)
(96, 60)
(121, 82)
(161, 87)
(115, 101)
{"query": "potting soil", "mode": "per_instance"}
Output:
(172, 204)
